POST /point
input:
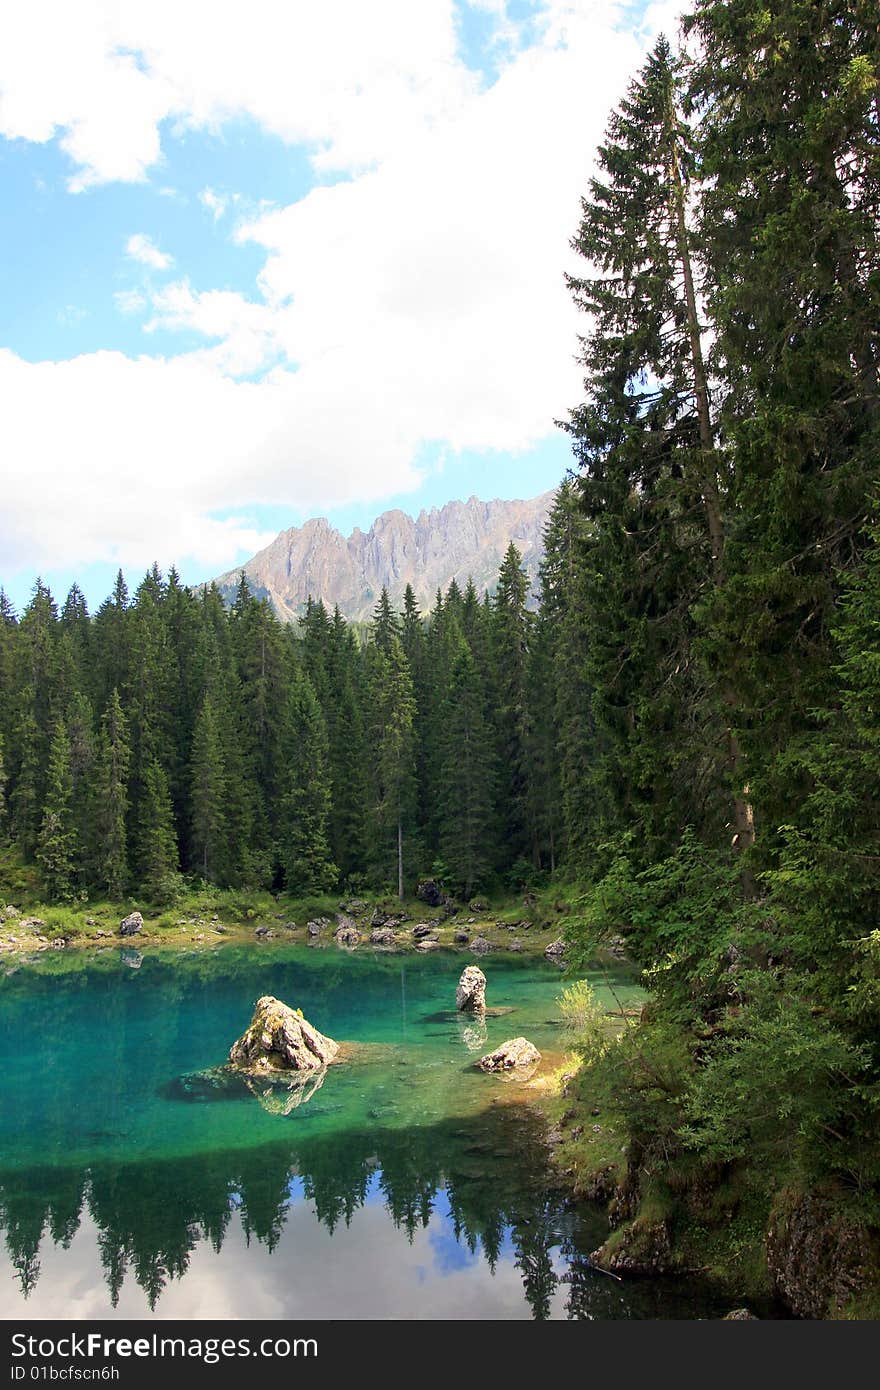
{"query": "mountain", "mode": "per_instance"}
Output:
(459, 541)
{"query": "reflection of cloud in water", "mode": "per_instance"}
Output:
(368, 1269)
(450, 1252)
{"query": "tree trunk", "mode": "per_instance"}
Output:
(743, 814)
(400, 860)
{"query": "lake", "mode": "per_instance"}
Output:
(406, 1185)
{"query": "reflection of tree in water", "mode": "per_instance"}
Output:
(151, 1216)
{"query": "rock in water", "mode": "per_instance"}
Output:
(131, 925)
(471, 992)
(280, 1039)
(516, 1052)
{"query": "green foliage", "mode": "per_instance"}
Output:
(308, 867)
(585, 1022)
(109, 848)
(56, 842)
(781, 1078)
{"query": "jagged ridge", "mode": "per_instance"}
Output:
(460, 540)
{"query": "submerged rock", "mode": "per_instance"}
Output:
(516, 1052)
(281, 1039)
(131, 925)
(277, 1092)
(470, 995)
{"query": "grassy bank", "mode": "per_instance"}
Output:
(206, 917)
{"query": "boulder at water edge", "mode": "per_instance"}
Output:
(280, 1039)
(131, 925)
(471, 993)
(516, 1052)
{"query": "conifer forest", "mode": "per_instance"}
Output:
(675, 735)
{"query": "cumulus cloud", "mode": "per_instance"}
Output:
(421, 302)
(134, 456)
(343, 77)
(142, 248)
(216, 203)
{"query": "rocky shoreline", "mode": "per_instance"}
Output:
(353, 924)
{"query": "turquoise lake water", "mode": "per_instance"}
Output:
(407, 1184)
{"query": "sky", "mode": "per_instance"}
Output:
(290, 258)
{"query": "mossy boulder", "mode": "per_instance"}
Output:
(281, 1039)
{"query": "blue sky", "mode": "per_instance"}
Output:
(261, 263)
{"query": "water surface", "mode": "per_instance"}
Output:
(406, 1185)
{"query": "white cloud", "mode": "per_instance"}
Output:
(126, 459)
(245, 332)
(142, 248)
(216, 203)
(345, 77)
(421, 302)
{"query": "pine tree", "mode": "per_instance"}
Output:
(156, 860)
(466, 779)
(56, 845)
(3, 816)
(790, 225)
(653, 483)
(305, 848)
(109, 849)
(394, 714)
(81, 736)
(512, 625)
(26, 795)
(560, 691)
(347, 755)
(384, 626)
(208, 796)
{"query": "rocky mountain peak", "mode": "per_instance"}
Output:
(460, 540)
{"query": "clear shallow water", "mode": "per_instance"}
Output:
(407, 1185)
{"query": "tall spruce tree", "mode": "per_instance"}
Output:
(56, 842)
(512, 624)
(156, 858)
(467, 779)
(653, 484)
(306, 804)
(394, 773)
(109, 848)
(790, 226)
(208, 796)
